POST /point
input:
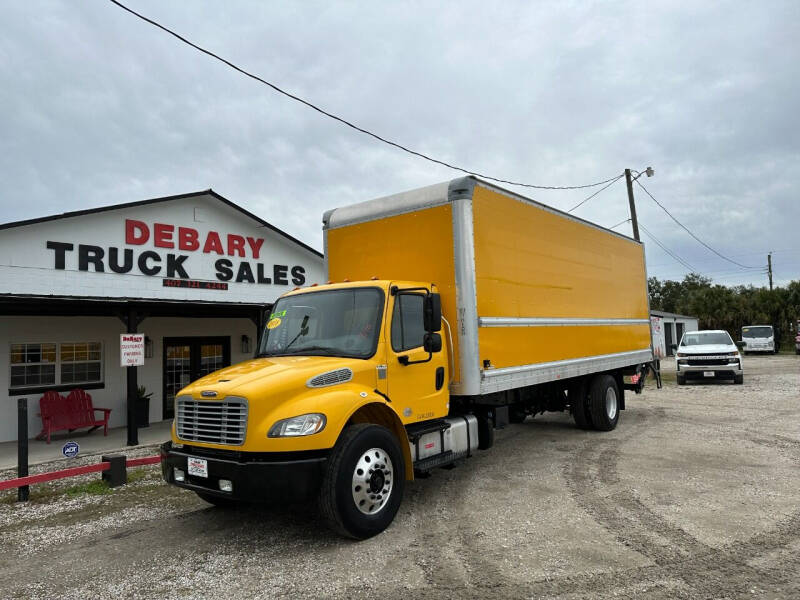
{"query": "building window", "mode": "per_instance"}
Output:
(80, 362)
(50, 364)
(33, 365)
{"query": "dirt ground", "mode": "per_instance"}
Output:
(694, 495)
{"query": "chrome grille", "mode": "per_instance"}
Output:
(330, 378)
(212, 422)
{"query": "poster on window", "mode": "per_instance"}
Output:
(131, 349)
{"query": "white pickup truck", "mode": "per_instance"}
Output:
(708, 355)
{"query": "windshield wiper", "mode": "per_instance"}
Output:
(302, 333)
(306, 349)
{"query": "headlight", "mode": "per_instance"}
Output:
(298, 426)
(680, 354)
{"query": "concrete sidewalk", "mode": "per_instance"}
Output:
(93, 443)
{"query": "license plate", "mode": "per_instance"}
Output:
(197, 467)
(705, 374)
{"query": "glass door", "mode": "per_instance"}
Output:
(188, 359)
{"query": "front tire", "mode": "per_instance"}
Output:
(738, 379)
(681, 379)
(604, 402)
(363, 484)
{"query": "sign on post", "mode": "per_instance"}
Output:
(131, 350)
(70, 449)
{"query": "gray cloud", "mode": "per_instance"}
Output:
(99, 108)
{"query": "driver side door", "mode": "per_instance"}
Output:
(418, 391)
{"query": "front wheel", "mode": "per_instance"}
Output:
(363, 483)
(738, 379)
(604, 402)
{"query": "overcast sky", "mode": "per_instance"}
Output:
(98, 107)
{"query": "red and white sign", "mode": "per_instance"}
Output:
(659, 342)
(131, 350)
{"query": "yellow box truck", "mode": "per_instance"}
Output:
(452, 310)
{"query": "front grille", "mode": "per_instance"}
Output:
(212, 422)
(697, 362)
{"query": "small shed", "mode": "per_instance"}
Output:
(674, 326)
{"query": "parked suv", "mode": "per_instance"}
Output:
(708, 355)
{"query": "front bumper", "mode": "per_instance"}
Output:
(720, 370)
(256, 477)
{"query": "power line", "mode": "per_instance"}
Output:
(585, 200)
(348, 123)
(730, 260)
(620, 223)
(761, 271)
(667, 250)
(759, 253)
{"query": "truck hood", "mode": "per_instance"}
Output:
(281, 370)
(707, 349)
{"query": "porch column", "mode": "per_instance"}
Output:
(133, 427)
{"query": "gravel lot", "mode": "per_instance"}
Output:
(694, 495)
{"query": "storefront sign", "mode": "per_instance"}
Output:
(131, 350)
(112, 259)
(196, 247)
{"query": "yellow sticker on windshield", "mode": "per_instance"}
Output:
(274, 323)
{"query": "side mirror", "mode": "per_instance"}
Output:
(674, 347)
(741, 344)
(432, 318)
(432, 342)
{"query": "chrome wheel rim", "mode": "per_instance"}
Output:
(373, 480)
(611, 403)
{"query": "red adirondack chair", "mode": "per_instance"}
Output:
(70, 413)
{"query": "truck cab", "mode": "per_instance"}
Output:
(353, 363)
(759, 338)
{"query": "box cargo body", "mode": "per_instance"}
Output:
(531, 294)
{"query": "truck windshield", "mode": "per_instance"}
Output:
(763, 331)
(700, 338)
(326, 323)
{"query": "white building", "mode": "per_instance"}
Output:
(195, 273)
(673, 326)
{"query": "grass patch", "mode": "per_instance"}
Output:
(96, 488)
(137, 474)
(36, 495)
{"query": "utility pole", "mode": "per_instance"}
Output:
(634, 222)
(769, 269)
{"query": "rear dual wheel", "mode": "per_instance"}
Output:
(579, 404)
(604, 402)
